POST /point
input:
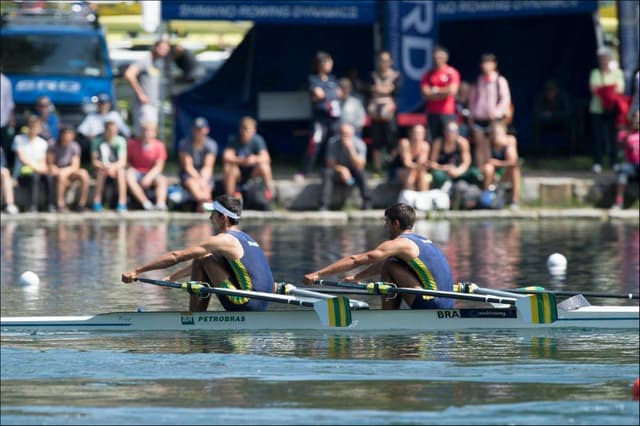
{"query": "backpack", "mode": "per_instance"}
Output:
(253, 195)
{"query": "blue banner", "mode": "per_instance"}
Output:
(412, 30)
(628, 18)
(469, 9)
(270, 11)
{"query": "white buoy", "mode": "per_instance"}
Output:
(29, 278)
(557, 264)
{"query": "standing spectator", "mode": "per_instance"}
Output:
(93, 123)
(629, 142)
(450, 157)
(325, 110)
(439, 87)
(489, 100)
(7, 118)
(346, 160)
(462, 109)
(7, 185)
(382, 108)
(147, 156)
(245, 157)
(63, 159)
(45, 110)
(360, 89)
(184, 59)
(605, 82)
(552, 115)
(144, 76)
(109, 159)
(31, 158)
(197, 156)
(412, 160)
(352, 109)
(503, 164)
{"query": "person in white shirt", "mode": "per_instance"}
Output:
(93, 124)
(31, 158)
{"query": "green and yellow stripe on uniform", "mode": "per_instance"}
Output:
(424, 275)
(243, 278)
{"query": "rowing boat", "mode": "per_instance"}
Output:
(589, 317)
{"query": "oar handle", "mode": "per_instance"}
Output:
(161, 283)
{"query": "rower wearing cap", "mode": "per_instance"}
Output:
(229, 259)
(406, 259)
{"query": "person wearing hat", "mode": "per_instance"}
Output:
(229, 259)
(197, 156)
(109, 160)
(93, 123)
(605, 82)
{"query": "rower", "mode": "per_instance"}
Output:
(406, 259)
(228, 259)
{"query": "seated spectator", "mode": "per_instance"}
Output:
(552, 116)
(50, 123)
(489, 100)
(197, 156)
(503, 164)
(147, 156)
(245, 157)
(450, 158)
(352, 108)
(31, 158)
(93, 124)
(382, 108)
(345, 163)
(629, 143)
(412, 160)
(7, 185)
(63, 159)
(109, 159)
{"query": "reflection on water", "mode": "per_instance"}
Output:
(79, 264)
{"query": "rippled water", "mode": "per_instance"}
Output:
(576, 377)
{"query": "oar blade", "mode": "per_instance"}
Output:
(334, 312)
(538, 308)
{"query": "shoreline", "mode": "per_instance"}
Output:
(344, 216)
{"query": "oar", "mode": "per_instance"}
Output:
(537, 290)
(286, 288)
(333, 312)
(534, 308)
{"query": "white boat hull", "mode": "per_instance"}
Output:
(591, 317)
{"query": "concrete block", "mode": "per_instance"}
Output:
(556, 193)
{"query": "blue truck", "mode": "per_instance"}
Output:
(57, 53)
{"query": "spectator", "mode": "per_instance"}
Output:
(360, 89)
(7, 185)
(197, 156)
(31, 158)
(45, 110)
(352, 109)
(382, 108)
(144, 76)
(7, 118)
(629, 142)
(439, 87)
(325, 110)
(635, 93)
(63, 158)
(412, 160)
(109, 159)
(503, 164)
(605, 82)
(462, 109)
(345, 163)
(552, 115)
(450, 158)
(93, 123)
(184, 59)
(245, 157)
(147, 156)
(489, 100)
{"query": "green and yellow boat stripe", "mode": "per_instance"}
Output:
(339, 312)
(425, 276)
(541, 308)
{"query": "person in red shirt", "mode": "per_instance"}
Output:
(439, 87)
(146, 163)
